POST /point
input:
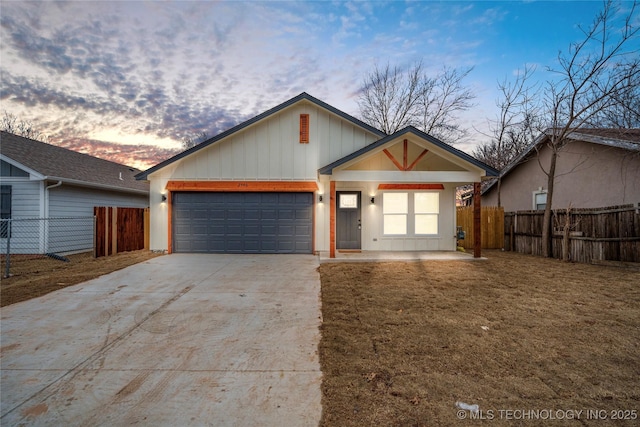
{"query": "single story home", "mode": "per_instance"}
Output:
(596, 168)
(41, 182)
(305, 177)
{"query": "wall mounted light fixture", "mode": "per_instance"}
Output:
(164, 198)
(320, 198)
(373, 200)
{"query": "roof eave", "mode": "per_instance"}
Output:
(96, 185)
(328, 170)
(303, 96)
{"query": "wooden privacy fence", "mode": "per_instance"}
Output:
(599, 234)
(492, 221)
(120, 230)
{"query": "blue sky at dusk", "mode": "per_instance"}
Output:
(128, 80)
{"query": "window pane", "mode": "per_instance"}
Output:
(395, 224)
(541, 200)
(348, 201)
(395, 203)
(426, 203)
(426, 224)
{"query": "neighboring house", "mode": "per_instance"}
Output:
(39, 180)
(596, 168)
(306, 177)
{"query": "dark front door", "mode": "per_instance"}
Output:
(348, 220)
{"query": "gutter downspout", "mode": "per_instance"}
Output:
(45, 230)
(46, 194)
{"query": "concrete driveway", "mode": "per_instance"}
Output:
(222, 340)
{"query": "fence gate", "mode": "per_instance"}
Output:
(492, 222)
(120, 230)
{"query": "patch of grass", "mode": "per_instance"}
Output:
(402, 342)
(34, 277)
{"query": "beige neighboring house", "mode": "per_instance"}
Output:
(597, 168)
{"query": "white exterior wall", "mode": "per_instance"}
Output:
(373, 238)
(266, 151)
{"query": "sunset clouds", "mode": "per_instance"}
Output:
(129, 80)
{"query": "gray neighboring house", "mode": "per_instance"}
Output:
(40, 180)
(598, 168)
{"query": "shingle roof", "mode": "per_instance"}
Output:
(302, 96)
(57, 163)
(626, 139)
(328, 170)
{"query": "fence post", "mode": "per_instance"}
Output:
(7, 260)
(95, 238)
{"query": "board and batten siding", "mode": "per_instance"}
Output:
(373, 238)
(269, 150)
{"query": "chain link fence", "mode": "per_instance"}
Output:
(29, 245)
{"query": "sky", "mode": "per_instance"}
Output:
(128, 80)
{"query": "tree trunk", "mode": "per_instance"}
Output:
(546, 220)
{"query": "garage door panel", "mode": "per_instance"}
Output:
(286, 214)
(242, 222)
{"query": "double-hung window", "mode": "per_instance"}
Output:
(410, 213)
(426, 208)
(395, 209)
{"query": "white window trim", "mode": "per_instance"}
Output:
(410, 216)
(534, 193)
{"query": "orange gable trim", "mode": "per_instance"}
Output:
(410, 187)
(244, 186)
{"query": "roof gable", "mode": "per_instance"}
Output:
(302, 97)
(57, 163)
(459, 157)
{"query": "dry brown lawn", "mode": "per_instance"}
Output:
(32, 278)
(402, 342)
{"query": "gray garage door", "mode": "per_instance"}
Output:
(242, 222)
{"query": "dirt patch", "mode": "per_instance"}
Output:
(51, 274)
(402, 342)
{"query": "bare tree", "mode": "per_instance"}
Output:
(624, 113)
(441, 99)
(192, 141)
(517, 123)
(10, 123)
(592, 75)
(392, 98)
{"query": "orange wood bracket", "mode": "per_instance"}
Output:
(410, 187)
(405, 156)
(243, 186)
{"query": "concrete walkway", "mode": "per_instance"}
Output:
(384, 256)
(217, 340)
